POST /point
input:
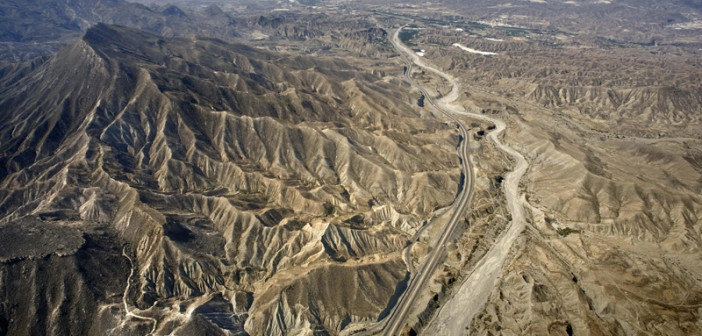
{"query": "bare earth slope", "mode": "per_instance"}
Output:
(253, 192)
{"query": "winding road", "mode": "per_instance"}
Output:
(397, 316)
(396, 319)
(456, 314)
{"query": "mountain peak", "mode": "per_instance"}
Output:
(173, 10)
(118, 42)
(102, 34)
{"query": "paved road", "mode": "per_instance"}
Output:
(395, 321)
(456, 314)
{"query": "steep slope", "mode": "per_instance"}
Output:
(228, 173)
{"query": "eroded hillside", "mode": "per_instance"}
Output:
(610, 127)
(294, 179)
(274, 185)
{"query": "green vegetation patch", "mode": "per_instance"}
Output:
(329, 209)
(407, 35)
(566, 231)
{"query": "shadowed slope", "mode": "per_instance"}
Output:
(225, 169)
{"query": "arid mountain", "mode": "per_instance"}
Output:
(287, 168)
(30, 29)
(611, 132)
(249, 191)
(34, 28)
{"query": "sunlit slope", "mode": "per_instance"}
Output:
(224, 169)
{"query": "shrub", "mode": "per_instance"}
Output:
(329, 209)
(565, 232)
